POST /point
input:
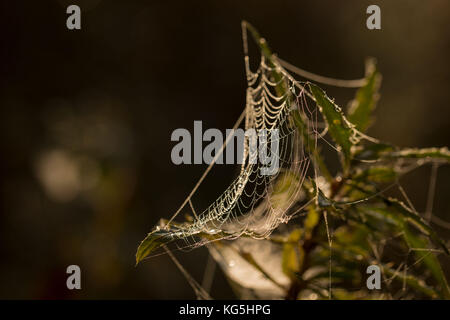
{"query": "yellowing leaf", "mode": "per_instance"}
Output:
(293, 255)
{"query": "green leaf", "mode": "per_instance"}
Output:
(387, 217)
(293, 255)
(340, 129)
(429, 259)
(403, 222)
(154, 240)
(372, 151)
(410, 280)
(376, 174)
(311, 220)
(417, 221)
(385, 151)
(405, 215)
(425, 153)
(160, 237)
(361, 108)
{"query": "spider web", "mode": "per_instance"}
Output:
(254, 204)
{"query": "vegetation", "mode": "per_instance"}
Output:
(350, 221)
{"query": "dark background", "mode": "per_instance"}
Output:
(86, 118)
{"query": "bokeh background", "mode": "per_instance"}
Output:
(86, 118)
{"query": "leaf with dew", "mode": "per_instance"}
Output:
(361, 108)
(340, 129)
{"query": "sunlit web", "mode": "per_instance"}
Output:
(254, 204)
